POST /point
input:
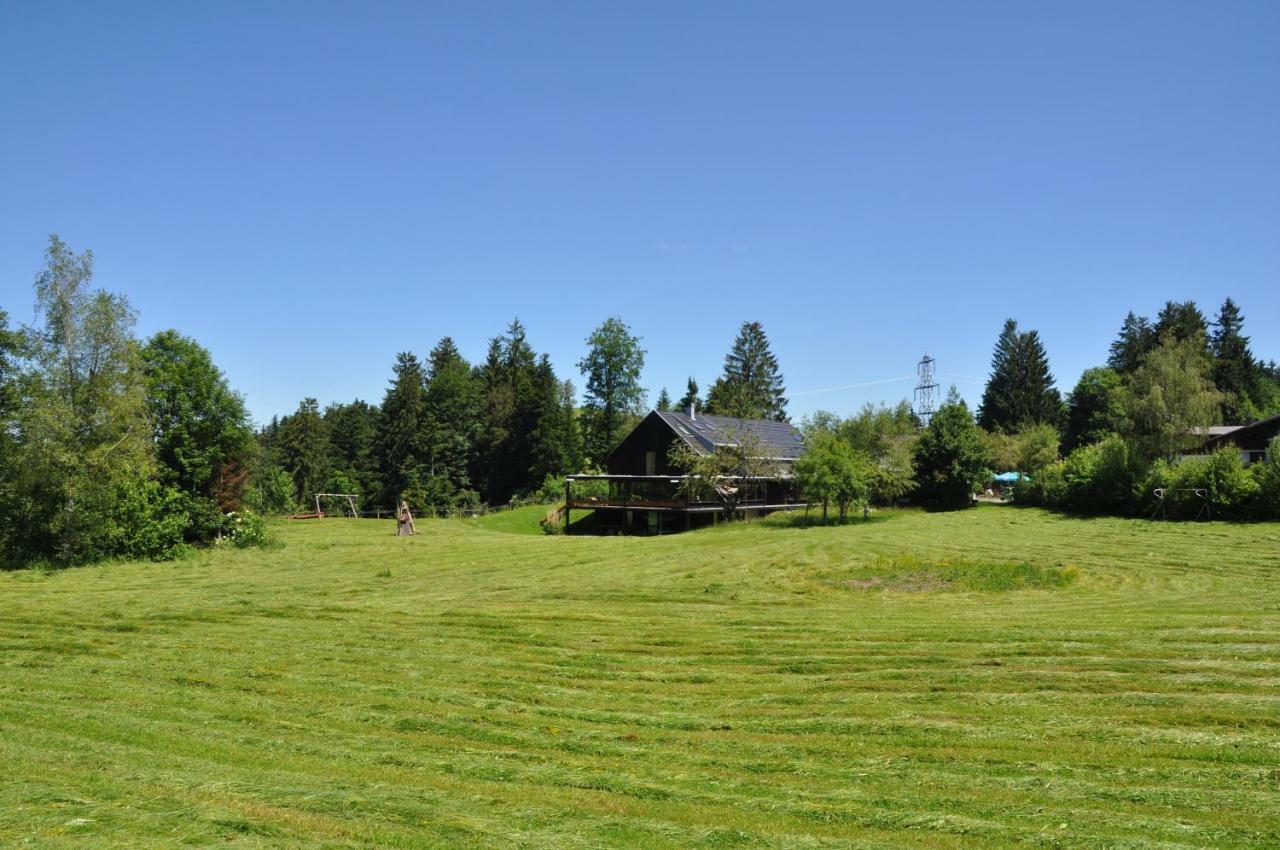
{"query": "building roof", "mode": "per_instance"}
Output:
(1216, 430)
(703, 432)
(1260, 432)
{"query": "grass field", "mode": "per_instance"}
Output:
(996, 677)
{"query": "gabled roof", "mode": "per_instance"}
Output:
(702, 433)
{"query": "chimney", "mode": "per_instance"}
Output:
(692, 410)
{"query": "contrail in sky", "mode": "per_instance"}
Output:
(854, 386)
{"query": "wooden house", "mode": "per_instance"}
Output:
(643, 490)
(1253, 441)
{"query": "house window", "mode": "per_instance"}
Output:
(650, 463)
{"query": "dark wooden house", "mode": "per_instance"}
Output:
(642, 490)
(1253, 441)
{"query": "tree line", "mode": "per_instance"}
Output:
(1120, 434)
(113, 446)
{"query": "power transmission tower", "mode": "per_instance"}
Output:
(926, 391)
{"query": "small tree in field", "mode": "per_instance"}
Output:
(951, 456)
(832, 471)
(725, 474)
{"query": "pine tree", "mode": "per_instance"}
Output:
(556, 441)
(751, 386)
(1094, 409)
(1136, 339)
(690, 397)
(512, 405)
(402, 431)
(613, 397)
(1182, 320)
(453, 406)
(1235, 372)
(304, 449)
(353, 446)
(1020, 392)
(664, 400)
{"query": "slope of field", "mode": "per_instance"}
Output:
(1109, 683)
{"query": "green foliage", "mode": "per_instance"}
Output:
(1095, 408)
(452, 414)
(751, 386)
(1105, 477)
(200, 428)
(1170, 397)
(1020, 391)
(1267, 477)
(951, 457)
(353, 450)
(304, 450)
(271, 492)
(79, 436)
(403, 430)
(664, 400)
(1229, 487)
(612, 397)
(725, 475)
(248, 530)
(690, 397)
(1137, 337)
(831, 470)
(516, 447)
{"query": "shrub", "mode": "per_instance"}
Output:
(271, 492)
(145, 521)
(1266, 476)
(1105, 477)
(1229, 487)
(247, 530)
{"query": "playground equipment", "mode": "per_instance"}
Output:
(319, 512)
(1162, 494)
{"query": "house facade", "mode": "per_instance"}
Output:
(1253, 441)
(643, 490)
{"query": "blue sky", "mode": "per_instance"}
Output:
(309, 188)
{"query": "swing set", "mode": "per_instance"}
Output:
(1162, 495)
(319, 512)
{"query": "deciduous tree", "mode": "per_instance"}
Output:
(613, 398)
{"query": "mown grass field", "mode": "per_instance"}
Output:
(997, 677)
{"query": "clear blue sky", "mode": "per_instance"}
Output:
(309, 188)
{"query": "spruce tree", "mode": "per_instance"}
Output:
(304, 450)
(1183, 321)
(453, 406)
(353, 447)
(690, 397)
(751, 386)
(402, 432)
(1135, 340)
(1235, 372)
(1094, 409)
(1020, 392)
(664, 400)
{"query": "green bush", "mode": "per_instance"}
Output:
(144, 521)
(1266, 476)
(247, 530)
(271, 492)
(1105, 477)
(1231, 489)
